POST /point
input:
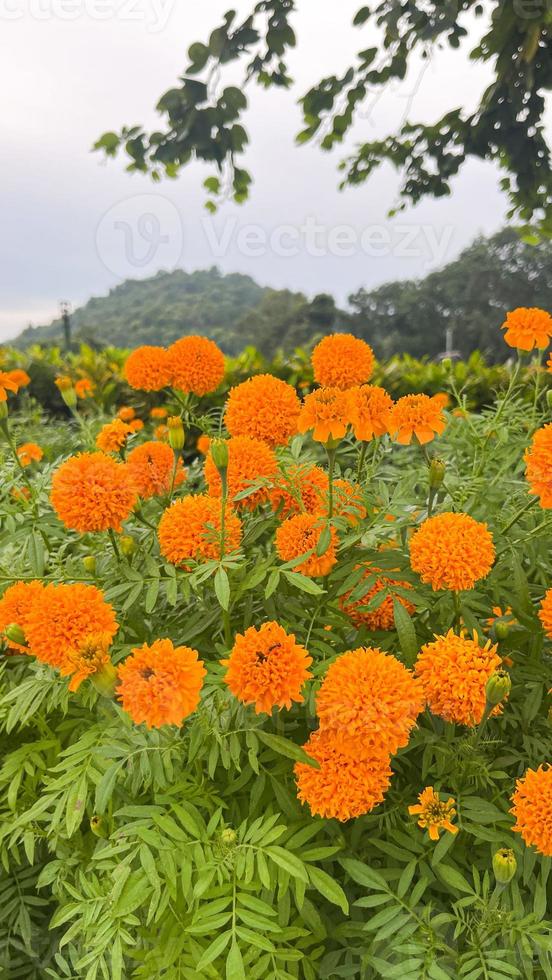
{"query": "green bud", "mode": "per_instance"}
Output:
(89, 562)
(549, 398)
(504, 865)
(14, 633)
(446, 363)
(228, 836)
(176, 432)
(501, 629)
(436, 473)
(69, 396)
(97, 826)
(127, 545)
(498, 687)
(3, 410)
(104, 680)
(219, 454)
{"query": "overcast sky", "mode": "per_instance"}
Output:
(74, 225)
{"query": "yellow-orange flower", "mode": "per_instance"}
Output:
(442, 399)
(325, 412)
(452, 551)
(84, 388)
(113, 436)
(15, 606)
(126, 413)
(20, 377)
(263, 407)
(160, 684)
(29, 453)
(300, 534)
(382, 616)
(203, 444)
(369, 701)
(434, 814)
(369, 411)
(527, 327)
(267, 668)
(92, 492)
(416, 415)
(344, 786)
(538, 458)
(63, 383)
(62, 617)
(454, 671)
(532, 808)
(148, 368)
(7, 384)
(152, 469)
(196, 365)
(545, 613)
(136, 425)
(341, 361)
(161, 433)
(158, 413)
(299, 488)
(191, 529)
(90, 657)
(249, 461)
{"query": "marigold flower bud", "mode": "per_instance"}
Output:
(89, 562)
(446, 363)
(501, 630)
(104, 680)
(504, 865)
(127, 545)
(219, 454)
(176, 432)
(436, 473)
(228, 836)
(15, 634)
(67, 392)
(498, 687)
(3, 410)
(97, 826)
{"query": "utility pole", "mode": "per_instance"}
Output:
(65, 310)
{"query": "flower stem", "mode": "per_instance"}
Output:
(331, 466)
(114, 544)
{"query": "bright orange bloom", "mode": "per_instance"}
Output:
(126, 413)
(300, 534)
(348, 501)
(161, 433)
(538, 458)
(148, 368)
(267, 668)
(326, 412)
(342, 361)
(159, 413)
(20, 493)
(454, 671)
(452, 551)
(88, 658)
(382, 617)
(203, 444)
(113, 436)
(434, 815)
(20, 377)
(151, 468)
(532, 808)
(190, 529)
(136, 425)
(84, 388)
(160, 684)
(442, 399)
(369, 701)
(300, 488)
(344, 786)
(416, 415)
(29, 453)
(92, 492)
(62, 617)
(249, 461)
(527, 327)
(369, 411)
(545, 613)
(15, 606)
(7, 384)
(196, 365)
(263, 407)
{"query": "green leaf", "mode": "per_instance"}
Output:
(329, 888)
(104, 789)
(283, 746)
(222, 587)
(453, 878)
(214, 949)
(303, 583)
(289, 862)
(406, 633)
(234, 964)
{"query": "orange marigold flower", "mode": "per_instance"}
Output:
(92, 492)
(300, 488)
(545, 613)
(84, 388)
(190, 529)
(452, 551)
(29, 453)
(148, 368)
(263, 407)
(434, 814)
(348, 501)
(326, 412)
(62, 617)
(136, 425)
(345, 786)
(538, 458)
(532, 808)
(161, 433)
(126, 413)
(527, 327)
(15, 606)
(158, 413)
(442, 399)
(369, 411)
(113, 436)
(300, 534)
(160, 684)
(416, 415)
(454, 671)
(20, 377)
(267, 668)
(370, 702)
(342, 361)
(63, 383)
(7, 384)
(91, 656)
(203, 444)
(196, 364)
(152, 469)
(249, 461)
(382, 615)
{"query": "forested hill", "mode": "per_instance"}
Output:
(470, 295)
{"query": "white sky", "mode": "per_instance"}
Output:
(74, 226)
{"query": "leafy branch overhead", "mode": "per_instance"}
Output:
(204, 118)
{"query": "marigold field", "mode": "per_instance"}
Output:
(275, 672)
